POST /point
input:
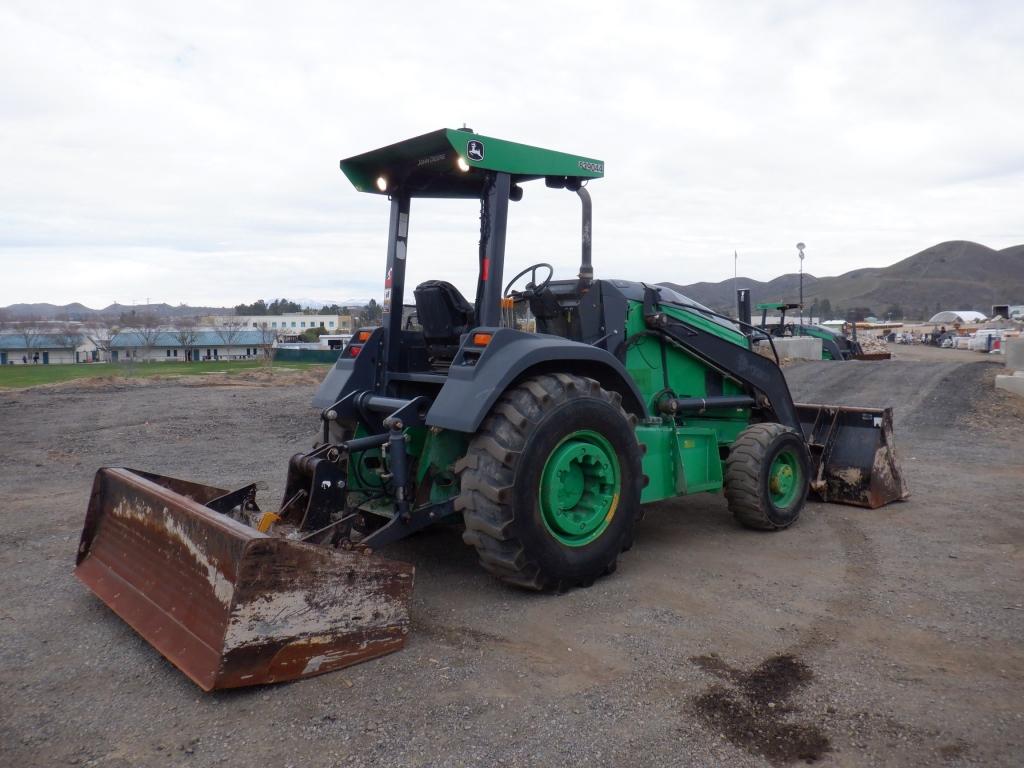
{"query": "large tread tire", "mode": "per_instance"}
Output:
(747, 476)
(500, 475)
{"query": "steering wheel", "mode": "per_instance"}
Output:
(532, 285)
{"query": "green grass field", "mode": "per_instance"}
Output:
(17, 376)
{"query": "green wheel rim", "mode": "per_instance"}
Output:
(785, 479)
(579, 488)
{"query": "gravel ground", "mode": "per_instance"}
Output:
(884, 637)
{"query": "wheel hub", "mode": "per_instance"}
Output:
(579, 488)
(784, 479)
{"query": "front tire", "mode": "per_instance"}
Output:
(767, 476)
(550, 485)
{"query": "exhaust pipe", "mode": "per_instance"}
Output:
(586, 268)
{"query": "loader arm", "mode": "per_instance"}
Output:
(851, 450)
(753, 371)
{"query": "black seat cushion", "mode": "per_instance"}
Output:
(443, 312)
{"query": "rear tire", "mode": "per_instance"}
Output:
(550, 485)
(767, 476)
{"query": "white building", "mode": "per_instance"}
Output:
(288, 324)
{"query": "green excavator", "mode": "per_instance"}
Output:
(542, 416)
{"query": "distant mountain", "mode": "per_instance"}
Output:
(953, 275)
(78, 311)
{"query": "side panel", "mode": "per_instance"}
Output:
(478, 376)
(679, 461)
(661, 463)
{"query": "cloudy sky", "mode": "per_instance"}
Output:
(188, 151)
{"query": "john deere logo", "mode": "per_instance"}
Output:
(475, 150)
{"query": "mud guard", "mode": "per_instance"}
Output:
(477, 377)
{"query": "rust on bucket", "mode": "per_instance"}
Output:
(228, 605)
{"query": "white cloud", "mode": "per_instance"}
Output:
(188, 151)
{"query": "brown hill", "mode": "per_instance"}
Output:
(951, 275)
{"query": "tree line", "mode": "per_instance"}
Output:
(369, 312)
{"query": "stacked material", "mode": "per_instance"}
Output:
(872, 344)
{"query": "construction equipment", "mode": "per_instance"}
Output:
(542, 417)
(834, 345)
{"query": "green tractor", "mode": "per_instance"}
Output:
(834, 346)
(543, 437)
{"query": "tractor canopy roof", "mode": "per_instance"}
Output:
(776, 305)
(450, 163)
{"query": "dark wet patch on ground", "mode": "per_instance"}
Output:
(751, 712)
(953, 751)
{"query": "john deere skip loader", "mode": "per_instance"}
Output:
(545, 438)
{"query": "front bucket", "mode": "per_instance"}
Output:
(228, 605)
(852, 454)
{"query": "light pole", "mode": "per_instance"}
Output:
(800, 247)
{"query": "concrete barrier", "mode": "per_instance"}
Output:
(1013, 353)
(306, 355)
(798, 348)
(1012, 384)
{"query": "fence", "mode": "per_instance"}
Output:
(306, 355)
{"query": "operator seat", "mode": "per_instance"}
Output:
(444, 314)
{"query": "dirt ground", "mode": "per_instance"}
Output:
(885, 637)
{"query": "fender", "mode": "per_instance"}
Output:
(831, 343)
(478, 376)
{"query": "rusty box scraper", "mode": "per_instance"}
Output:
(228, 605)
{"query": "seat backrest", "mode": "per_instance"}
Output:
(442, 311)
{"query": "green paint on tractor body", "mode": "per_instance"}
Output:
(452, 163)
(682, 455)
(683, 452)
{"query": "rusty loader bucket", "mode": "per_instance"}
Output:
(853, 457)
(228, 605)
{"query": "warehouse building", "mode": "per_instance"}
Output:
(168, 346)
(45, 349)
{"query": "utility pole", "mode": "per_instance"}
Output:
(800, 247)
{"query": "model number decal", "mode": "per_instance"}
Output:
(431, 159)
(587, 165)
